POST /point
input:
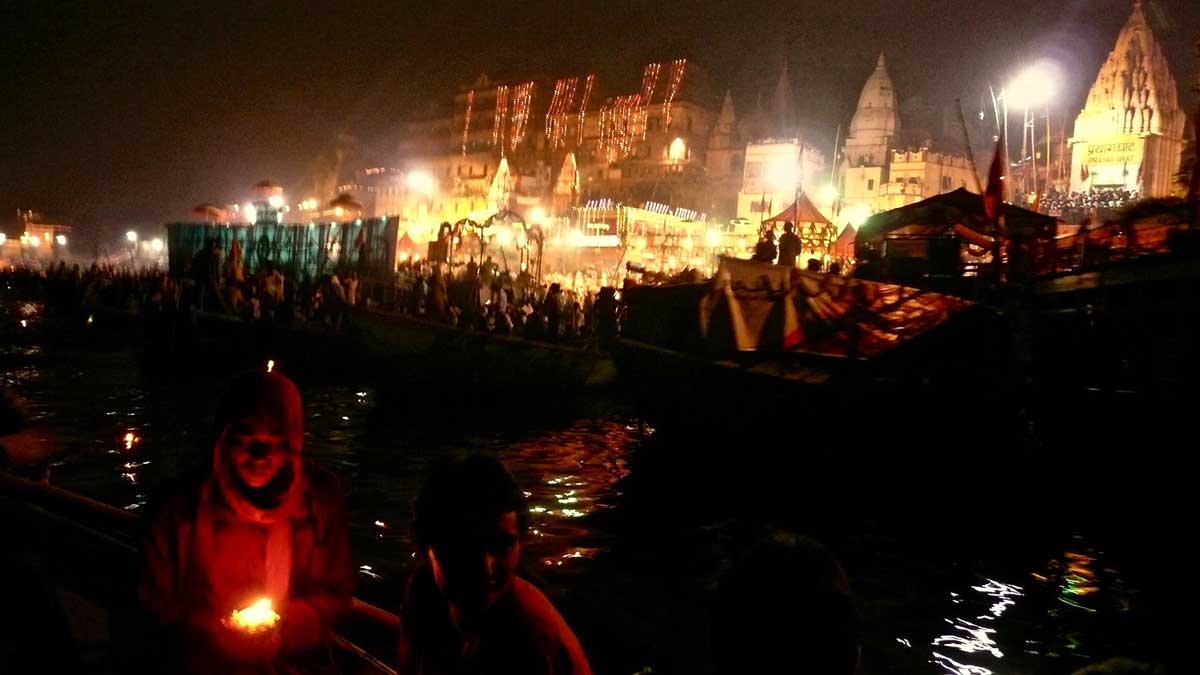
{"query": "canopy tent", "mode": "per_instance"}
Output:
(937, 227)
(843, 246)
(407, 246)
(937, 216)
(800, 211)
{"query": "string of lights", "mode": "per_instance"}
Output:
(676, 79)
(560, 106)
(649, 82)
(467, 120)
(522, 100)
(501, 117)
(587, 94)
(552, 110)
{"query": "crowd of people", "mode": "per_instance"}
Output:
(474, 296)
(485, 298)
(1106, 198)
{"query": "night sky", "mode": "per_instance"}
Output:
(122, 114)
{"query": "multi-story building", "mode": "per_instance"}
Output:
(776, 170)
(666, 142)
(883, 168)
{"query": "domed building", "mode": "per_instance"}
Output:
(879, 170)
(1129, 135)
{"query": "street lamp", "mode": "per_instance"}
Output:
(1032, 87)
(131, 237)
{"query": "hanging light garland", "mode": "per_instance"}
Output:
(587, 94)
(676, 78)
(649, 82)
(619, 126)
(560, 105)
(501, 117)
(521, 103)
(467, 120)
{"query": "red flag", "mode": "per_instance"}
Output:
(993, 196)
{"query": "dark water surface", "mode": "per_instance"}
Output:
(956, 569)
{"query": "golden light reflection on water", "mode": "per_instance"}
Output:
(568, 475)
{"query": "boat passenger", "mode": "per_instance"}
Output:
(262, 524)
(465, 608)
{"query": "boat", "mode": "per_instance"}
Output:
(762, 343)
(87, 552)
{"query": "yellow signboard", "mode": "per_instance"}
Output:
(1122, 150)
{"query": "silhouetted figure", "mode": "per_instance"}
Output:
(835, 268)
(262, 524)
(789, 246)
(813, 265)
(606, 315)
(765, 251)
(465, 610)
(785, 607)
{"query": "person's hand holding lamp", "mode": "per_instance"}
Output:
(253, 635)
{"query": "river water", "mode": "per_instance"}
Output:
(630, 525)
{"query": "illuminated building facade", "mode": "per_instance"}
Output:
(775, 171)
(883, 168)
(1129, 134)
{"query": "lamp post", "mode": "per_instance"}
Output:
(1032, 87)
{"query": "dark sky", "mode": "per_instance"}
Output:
(116, 113)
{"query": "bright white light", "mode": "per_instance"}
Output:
(131, 236)
(537, 215)
(782, 176)
(156, 245)
(686, 244)
(251, 213)
(856, 215)
(712, 238)
(504, 236)
(677, 151)
(35, 242)
(339, 211)
(3, 238)
(60, 239)
(828, 193)
(419, 181)
(1034, 86)
(275, 201)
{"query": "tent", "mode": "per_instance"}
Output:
(937, 216)
(843, 246)
(406, 247)
(937, 228)
(800, 211)
(814, 229)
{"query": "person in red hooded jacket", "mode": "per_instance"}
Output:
(262, 524)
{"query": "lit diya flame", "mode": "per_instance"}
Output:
(270, 365)
(255, 618)
(131, 439)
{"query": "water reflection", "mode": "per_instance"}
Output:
(975, 636)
